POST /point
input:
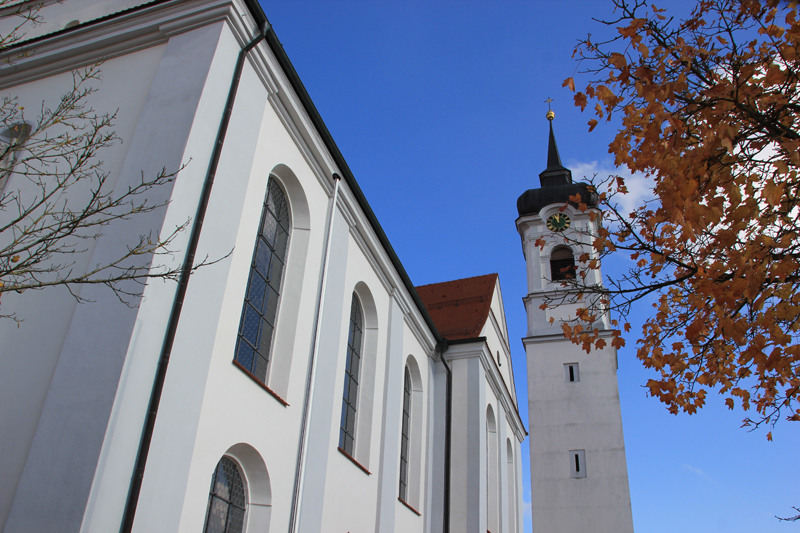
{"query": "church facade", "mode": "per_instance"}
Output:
(300, 383)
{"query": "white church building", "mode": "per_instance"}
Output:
(301, 383)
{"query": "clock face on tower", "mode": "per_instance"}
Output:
(557, 222)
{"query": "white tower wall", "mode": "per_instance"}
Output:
(569, 418)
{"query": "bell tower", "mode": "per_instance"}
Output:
(579, 475)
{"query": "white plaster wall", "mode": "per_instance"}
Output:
(468, 451)
(29, 358)
(496, 323)
(571, 416)
(433, 507)
(496, 344)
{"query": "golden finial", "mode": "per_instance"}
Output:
(550, 114)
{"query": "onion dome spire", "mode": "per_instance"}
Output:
(555, 173)
(557, 186)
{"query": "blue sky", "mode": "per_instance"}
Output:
(438, 108)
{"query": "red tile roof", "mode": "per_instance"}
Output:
(459, 308)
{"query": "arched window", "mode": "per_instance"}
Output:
(512, 488)
(350, 395)
(562, 264)
(405, 436)
(492, 518)
(226, 500)
(264, 286)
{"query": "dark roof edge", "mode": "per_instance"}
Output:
(466, 341)
(288, 69)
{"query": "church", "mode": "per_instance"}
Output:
(301, 382)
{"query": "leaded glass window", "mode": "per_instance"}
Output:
(226, 500)
(404, 438)
(264, 284)
(350, 395)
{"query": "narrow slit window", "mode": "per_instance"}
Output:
(404, 437)
(347, 433)
(577, 460)
(572, 373)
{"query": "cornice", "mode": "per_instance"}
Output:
(544, 335)
(117, 35)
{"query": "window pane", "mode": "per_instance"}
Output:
(353, 393)
(235, 520)
(355, 363)
(250, 324)
(281, 238)
(275, 271)
(264, 338)
(260, 370)
(279, 206)
(348, 444)
(263, 255)
(244, 354)
(271, 305)
(217, 516)
(356, 344)
(255, 292)
(351, 420)
(268, 228)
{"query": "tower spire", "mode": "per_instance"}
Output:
(553, 159)
(555, 173)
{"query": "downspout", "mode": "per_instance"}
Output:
(311, 373)
(183, 282)
(441, 348)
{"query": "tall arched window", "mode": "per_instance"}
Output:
(405, 436)
(350, 395)
(264, 285)
(226, 500)
(492, 518)
(562, 264)
(512, 488)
